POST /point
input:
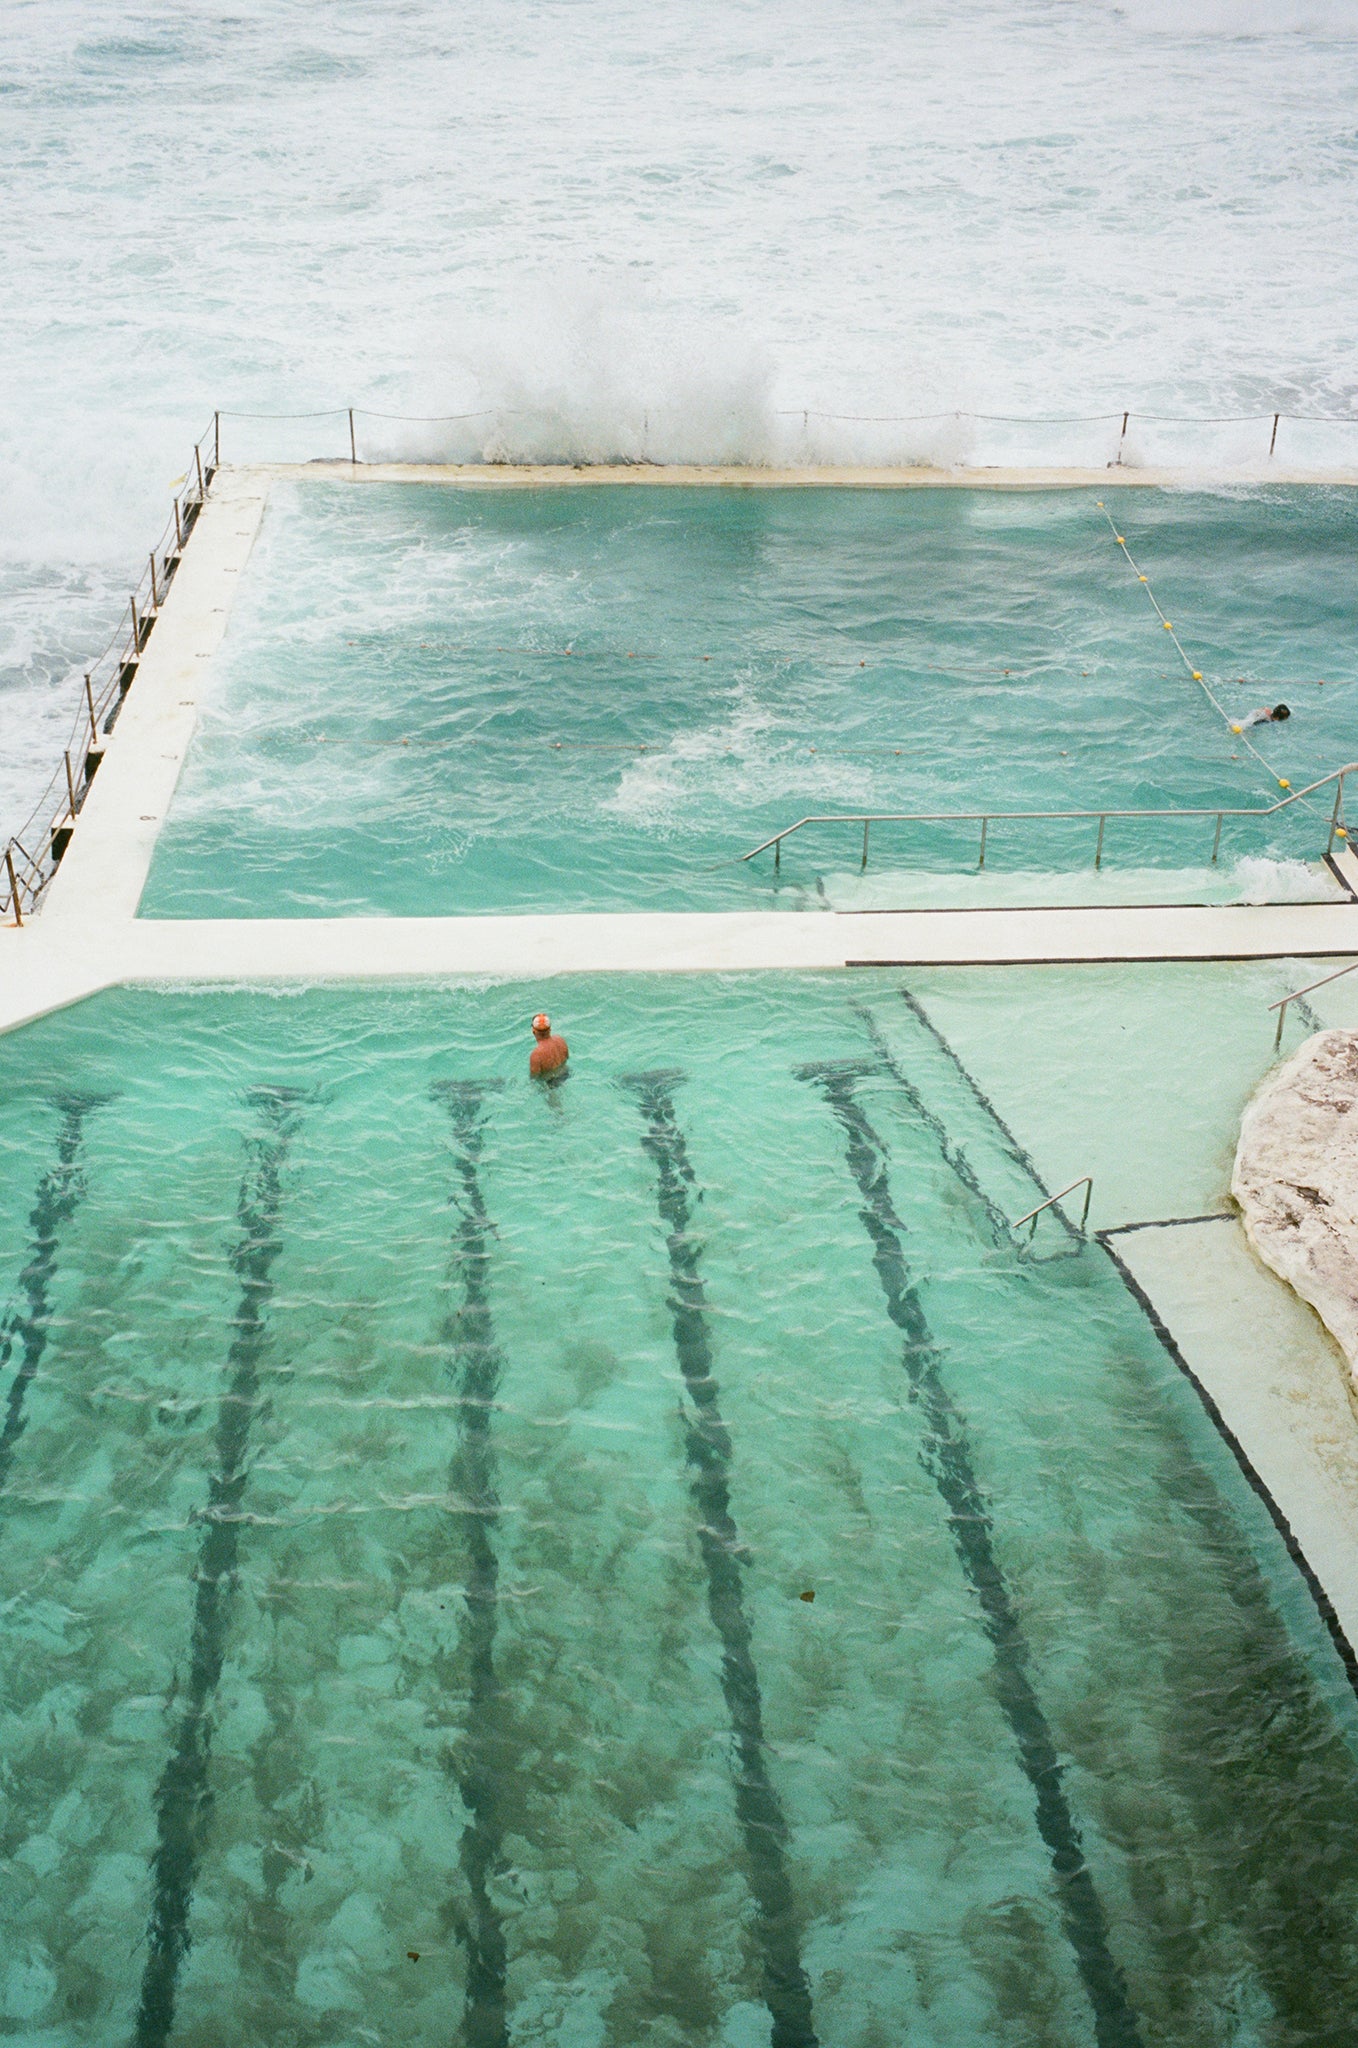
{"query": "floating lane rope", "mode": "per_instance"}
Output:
(1236, 729)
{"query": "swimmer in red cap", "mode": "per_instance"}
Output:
(550, 1053)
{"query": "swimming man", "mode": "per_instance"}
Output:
(1266, 715)
(550, 1053)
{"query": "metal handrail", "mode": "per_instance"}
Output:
(985, 819)
(24, 875)
(1281, 1005)
(1086, 1181)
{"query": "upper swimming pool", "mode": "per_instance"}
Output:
(650, 1559)
(432, 700)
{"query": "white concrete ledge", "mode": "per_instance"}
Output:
(1274, 1385)
(54, 961)
(748, 476)
(107, 862)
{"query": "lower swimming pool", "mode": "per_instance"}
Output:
(645, 1559)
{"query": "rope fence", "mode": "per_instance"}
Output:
(1120, 423)
(32, 854)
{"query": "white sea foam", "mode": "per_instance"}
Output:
(698, 232)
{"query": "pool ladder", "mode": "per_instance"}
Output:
(1086, 1181)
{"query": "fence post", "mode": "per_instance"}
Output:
(777, 855)
(216, 440)
(1098, 850)
(198, 465)
(1273, 437)
(1122, 437)
(863, 868)
(136, 625)
(985, 822)
(178, 529)
(155, 595)
(89, 699)
(13, 886)
(353, 445)
(1334, 814)
(1216, 843)
(1282, 1012)
(70, 783)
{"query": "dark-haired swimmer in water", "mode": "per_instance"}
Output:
(551, 1053)
(1266, 715)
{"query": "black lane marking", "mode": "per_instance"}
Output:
(58, 1197)
(763, 1826)
(1344, 1649)
(486, 1748)
(946, 1456)
(184, 1796)
(1164, 1223)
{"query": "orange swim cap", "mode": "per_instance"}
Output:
(542, 1022)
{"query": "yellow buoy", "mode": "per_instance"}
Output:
(1283, 782)
(1197, 675)
(1167, 626)
(1237, 728)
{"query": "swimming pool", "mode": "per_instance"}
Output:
(434, 700)
(413, 1481)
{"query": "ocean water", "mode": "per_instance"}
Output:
(433, 701)
(611, 230)
(416, 1480)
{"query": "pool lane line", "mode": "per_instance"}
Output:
(59, 1195)
(183, 1796)
(946, 1456)
(1344, 1649)
(469, 1335)
(759, 1811)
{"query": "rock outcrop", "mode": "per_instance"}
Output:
(1296, 1180)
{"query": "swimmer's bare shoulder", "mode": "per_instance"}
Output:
(550, 1053)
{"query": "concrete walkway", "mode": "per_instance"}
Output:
(537, 476)
(58, 959)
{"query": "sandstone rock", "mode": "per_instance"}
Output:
(1296, 1180)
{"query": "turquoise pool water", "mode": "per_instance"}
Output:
(432, 700)
(411, 1483)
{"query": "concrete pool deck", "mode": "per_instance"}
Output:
(1298, 1441)
(745, 476)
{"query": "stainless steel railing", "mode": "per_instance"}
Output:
(1086, 1181)
(1281, 1005)
(31, 855)
(985, 819)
